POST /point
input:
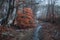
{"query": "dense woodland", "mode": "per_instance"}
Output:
(29, 20)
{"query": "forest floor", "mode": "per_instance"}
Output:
(22, 34)
(49, 32)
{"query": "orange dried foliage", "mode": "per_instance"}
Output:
(25, 19)
(2, 29)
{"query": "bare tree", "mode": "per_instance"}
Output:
(50, 10)
(9, 10)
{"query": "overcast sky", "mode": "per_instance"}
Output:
(46, 2)
(38, 14)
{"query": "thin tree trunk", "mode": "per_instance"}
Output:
(10, 10)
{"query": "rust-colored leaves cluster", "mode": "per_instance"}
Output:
(4, 33)
(3, 29)
(25, 19)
